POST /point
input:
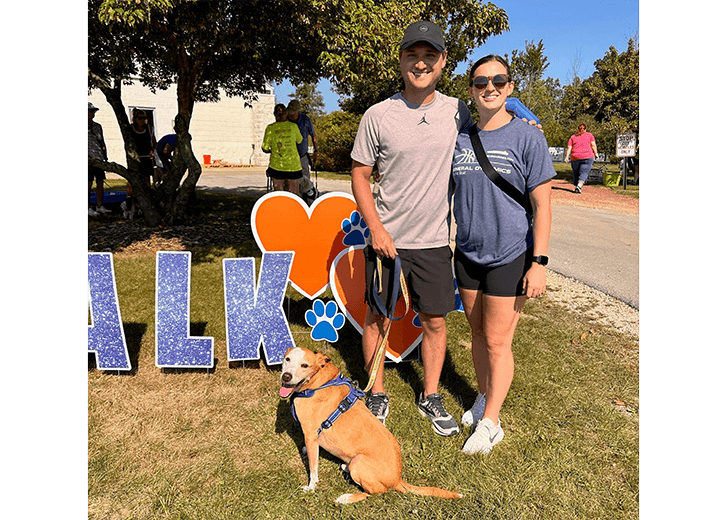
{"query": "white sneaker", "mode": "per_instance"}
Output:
(92, 213)
(477, 410)
(101, 209)
(485, 437)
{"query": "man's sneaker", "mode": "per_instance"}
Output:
(379, 406)
(485, 437)
(101, 209)
(432, 408)
(477, 410)
(92, 213)
(578, 189)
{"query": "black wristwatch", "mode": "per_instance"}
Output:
(542, 260)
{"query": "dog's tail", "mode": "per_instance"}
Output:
(404, 487)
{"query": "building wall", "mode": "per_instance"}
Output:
(226, 131)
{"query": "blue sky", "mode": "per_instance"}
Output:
(570, 29)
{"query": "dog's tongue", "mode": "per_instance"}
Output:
(285, 392)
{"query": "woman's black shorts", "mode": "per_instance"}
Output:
(279, 175)
(504, 280)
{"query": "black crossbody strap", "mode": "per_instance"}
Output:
(492, 174)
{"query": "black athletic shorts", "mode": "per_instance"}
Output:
(428, 275)
(504, 280)
(279, 175)
(96, 174)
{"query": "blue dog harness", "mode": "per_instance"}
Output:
(354, 394)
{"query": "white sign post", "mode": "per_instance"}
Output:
(625, 147)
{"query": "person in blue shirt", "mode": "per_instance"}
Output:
(165, 147)
(501, 248)
(307, 190)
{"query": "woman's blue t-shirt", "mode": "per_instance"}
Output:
(493, 229)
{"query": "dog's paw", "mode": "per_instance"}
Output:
(351, 498)
(355, 228)
(309, 488)
(325, 320)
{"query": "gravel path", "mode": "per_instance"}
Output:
(595, 305)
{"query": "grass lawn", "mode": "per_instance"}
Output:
(220, 444)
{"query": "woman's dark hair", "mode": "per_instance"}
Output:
(488, 58)
(279, 108)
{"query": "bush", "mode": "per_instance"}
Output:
(336, 133)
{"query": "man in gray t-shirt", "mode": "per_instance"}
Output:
(410, 137)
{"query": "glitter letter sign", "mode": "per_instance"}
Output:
(254, 316)
(174, 347)
(106, 333)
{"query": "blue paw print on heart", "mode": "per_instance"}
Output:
(325, 320)
(355, 228)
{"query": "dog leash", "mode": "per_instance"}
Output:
(397, 283)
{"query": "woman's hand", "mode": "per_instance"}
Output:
(534, 281)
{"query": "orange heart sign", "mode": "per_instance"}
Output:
(348, 282)
(281, 221)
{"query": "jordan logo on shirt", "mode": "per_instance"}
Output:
(424, 120)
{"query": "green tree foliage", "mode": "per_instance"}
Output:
(311, 100)
(336, 133)
(364, 37)
(611, 94)
(236, 47)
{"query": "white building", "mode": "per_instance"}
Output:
(226, 131)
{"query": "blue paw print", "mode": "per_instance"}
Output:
(355, 228)
(325, 320)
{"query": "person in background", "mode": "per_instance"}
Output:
(145, 143)
(97, 150)
(307, 191)
(280, 141)
(501, 249)
(582, 150)
(165, 147)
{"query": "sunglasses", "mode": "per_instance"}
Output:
(481, 82)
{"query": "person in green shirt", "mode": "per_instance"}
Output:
(280, 141)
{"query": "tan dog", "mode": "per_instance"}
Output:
(356, 436)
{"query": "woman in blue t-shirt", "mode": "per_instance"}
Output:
(501, 249)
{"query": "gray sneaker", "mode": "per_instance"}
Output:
(379, 406)
(433, 409)
(477, 410)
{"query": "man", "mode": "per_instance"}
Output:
(411, 137)
(305, 125)
(97, 150)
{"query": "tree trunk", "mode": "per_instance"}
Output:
(131, 173)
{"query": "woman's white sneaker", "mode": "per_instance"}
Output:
(485, 437)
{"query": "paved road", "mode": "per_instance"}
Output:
(597, 247)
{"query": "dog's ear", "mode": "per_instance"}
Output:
(322, 360)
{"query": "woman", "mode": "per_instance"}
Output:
(280, 141)
(501, 250)
(145, 143)
(583, 147)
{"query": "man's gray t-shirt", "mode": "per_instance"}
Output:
(413, 146)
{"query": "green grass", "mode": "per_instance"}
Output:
(193, 444)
